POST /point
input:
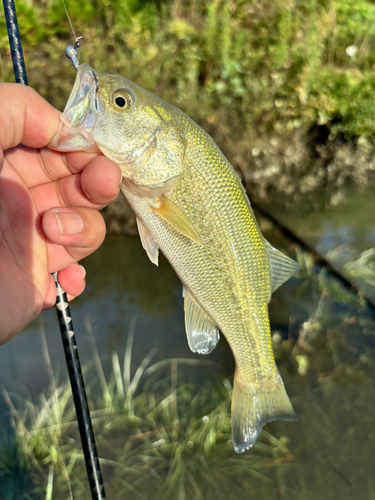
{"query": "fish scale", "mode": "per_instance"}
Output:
(190, 203)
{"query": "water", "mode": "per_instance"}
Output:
(340, 233)
(324, 345)
(121, 284)
(351, 223)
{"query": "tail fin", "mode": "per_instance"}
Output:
(253, 407)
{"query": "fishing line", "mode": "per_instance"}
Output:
(62, 305)
(71, 51)
(70, 22)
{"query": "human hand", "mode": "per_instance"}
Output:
(49, 204)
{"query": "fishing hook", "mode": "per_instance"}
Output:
(71, 52)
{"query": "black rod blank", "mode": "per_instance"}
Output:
(79, 394)
(15, 42)
(62, 305)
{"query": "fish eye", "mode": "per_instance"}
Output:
(122, 99)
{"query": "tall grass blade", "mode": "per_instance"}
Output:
(128, 352)
(49, 489)
(117, 374)
(98, 363)
(140, 371)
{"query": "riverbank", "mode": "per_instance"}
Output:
(287, 92)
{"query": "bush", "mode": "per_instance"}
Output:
(280, 87)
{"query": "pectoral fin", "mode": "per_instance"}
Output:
(282, 267)
(202, 334)
(173, 214)
(148, 243)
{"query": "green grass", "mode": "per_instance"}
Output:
(158, 437)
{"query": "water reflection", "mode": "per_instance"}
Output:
(326, 228)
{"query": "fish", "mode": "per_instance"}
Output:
(189, 203)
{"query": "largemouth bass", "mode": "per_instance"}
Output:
(190, 204)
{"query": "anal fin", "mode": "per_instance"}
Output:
(202, 334)
(148, 243)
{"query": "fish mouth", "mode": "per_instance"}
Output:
(80, 115)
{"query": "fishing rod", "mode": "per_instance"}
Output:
(62, 305)
(332, 269)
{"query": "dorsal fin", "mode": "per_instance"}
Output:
(281, 267)
(148, 243)
(202, 334)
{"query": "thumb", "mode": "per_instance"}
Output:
(25, 117)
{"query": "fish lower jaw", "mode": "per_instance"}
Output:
(68, 139)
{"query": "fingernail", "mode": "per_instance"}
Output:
(69, 223)
(84, 271)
